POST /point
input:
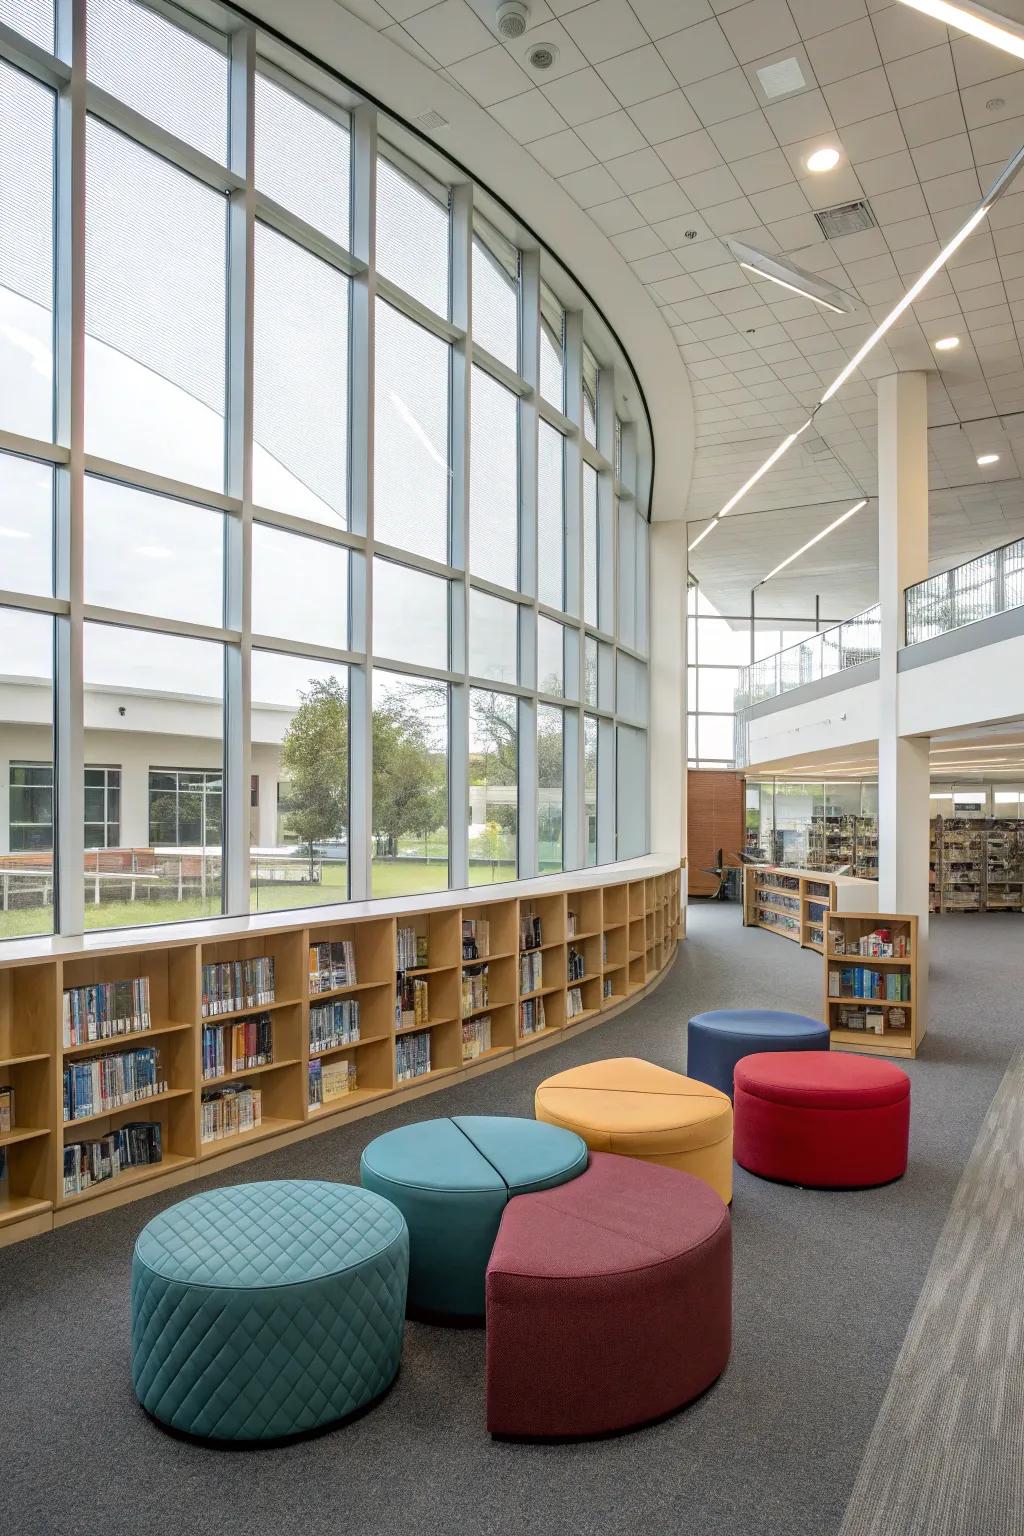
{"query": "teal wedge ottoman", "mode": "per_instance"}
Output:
(264, 1311)
(452, 1179)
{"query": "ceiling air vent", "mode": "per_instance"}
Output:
(844, 219)
(430, 120)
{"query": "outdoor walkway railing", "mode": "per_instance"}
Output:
(991, 583)
(821, 655)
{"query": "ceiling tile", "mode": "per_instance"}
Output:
(490, 76)
(873, 136)
(901, 31)
(732, 217)
(866, 95)
(652, 269)
(690, 154)
(638, 76)
(761, 172)
(887, 173)
(401, 10)
(528, 117)
(569, 59)
(667, 201)
(590, 186)
(664, 117)
(759, 28)
(952, 191)
(779, 203)
(724, 96)
(581, 96)
(450, 31)
(637, 243)
(710, 187)
(612, 136)
(697, 52)
(739, 137)
(637, 171)
(845, 51)
(976, 61)
(562, 152)
(617, 216)
(604, 29)
(409, 45)
(938, 118)
(660, 17)
(794, 234)
(799, 117)
(921, 76)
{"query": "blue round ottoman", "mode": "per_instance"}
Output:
(452, 1179)
(716, 1041)
(266, 1310)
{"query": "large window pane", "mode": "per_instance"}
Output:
(299, 587)
(493, 786)
(32, 18)
(410, 785)
(493, 637)
(494, 482)
(26, 526)
(715, 737)
(496, 295)
(411, 455)
(590, 545)
(549, 788)
(171, 76)
(412, 237)
(590, 381)
(154, 313)
(26, 773)
(550, 657)
(590, 784)
(718, 687)
(552, 349)
(410, 614)
(723, 643)
(550, 516)
(631, 687)
(26, 254)
(631, 779)
(154, 704)
(303, 158)
(151, 554)
(299, 786)
(300, 382)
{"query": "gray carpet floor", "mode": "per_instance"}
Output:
(825, 1288)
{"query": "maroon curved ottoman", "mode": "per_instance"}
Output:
(821, 1119)
(609, 1301)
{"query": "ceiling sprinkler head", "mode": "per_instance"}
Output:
(513, 17)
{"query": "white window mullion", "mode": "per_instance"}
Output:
(459, 555)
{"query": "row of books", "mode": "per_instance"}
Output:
(872, 1020)
(332, 965)
(476, 938)
(237, 1047)
(229, 1112)
(100, 1084)
(412, 1057)
(577, 966)
(530, 931)
(573, 1002)
(532, 1019)
(475, 990)
(412, 950)
(105, 1010)
(859, 981)
(330, 1080)
(531, 971)
(135, 1145)
(229, 985)
(333, 1024)
(412, 1003)
(881, 944)
(6, 1110)
(476, 1036)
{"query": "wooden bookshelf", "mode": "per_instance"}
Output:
(794, 903)
(897, 1023)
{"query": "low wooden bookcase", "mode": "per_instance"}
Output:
(795, 903)
(892, 1024)
(626, 931)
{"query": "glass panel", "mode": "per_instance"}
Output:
(720, 642)
(152, 554)
(552, 349)
(496, 295)
(627, 576)
(631, 779)
(493, 786)
(590, 654)
(590, 382)
(493, 637)
(177, 80)
(412, 237)
(494, 482)
(298, 823)
(590, 550)
(715, 737)
(155, 255)
(549, 788)
(718, 687)
(550, 657)
(410, 785)
(691, 739)
(643, 563)
(631, 687)
(157, 703)
(410, 614)
(32, 18)
(590, 784)
(606, 676)
(26, 526)
(411, 473)
(303, 158)
(26, 756)
(299, 588)
(102, 807)
(550, 516)
(300, 382)
(26, 254)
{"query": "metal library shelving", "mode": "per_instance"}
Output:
(977, 865)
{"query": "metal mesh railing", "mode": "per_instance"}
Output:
(991, 583)
(821, 655)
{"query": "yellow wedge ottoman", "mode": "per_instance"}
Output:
(637, 1109)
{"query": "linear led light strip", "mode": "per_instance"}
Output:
(805, 293)
(811, 542)
(980, 22)
(998, 187)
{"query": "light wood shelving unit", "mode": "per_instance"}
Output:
(795, 903)
(902, 1024)
(627, 933)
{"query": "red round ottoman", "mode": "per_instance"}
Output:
(609, 1301)
(821, 1119)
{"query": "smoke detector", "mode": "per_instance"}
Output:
(513, 16)
(542, 55)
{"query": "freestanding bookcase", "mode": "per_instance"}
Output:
(796, 902)
(899, 1023)
(625, 929)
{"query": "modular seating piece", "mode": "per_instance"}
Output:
(609, 1301)
(826, 1121)
(265, 1310)
(637, 1109)
(716, 1041)
(452, 1180)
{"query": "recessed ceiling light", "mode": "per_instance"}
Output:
(822, 160)
(988, 458)
(946, 343)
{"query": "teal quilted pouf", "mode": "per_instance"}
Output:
(266, 1310)
(452, 1179)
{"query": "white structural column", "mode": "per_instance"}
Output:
(903, 776)
(667, 708)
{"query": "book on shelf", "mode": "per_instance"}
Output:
(860, 981)
(412, 1001)
(604, 949)
(573, 1002)
(576, 964)
(332, 965)
(333, 1024)
(880, 944)
(139, 1144)
(412, 950)
(106, 1010)
(531, 931)
(230, 1112)
(6, 1110)
(237, 1047)
(476, 1037)
(412, 1056)
(476, 938)
(606, 987)
(99, 1084)
(331, 1080)
(532, 1017)
(475, 990)
(570, 924)
(531, 971)
(230, 985)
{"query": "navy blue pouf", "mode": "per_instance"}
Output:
(716, 1041)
